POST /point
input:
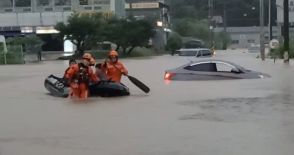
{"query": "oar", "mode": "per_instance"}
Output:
(137, 82)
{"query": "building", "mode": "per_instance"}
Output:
(244, 37)
(156, 11)
(40, 16)
(280, 12)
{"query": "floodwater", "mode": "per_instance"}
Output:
(233, 117)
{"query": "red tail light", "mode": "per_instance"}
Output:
(168, 76)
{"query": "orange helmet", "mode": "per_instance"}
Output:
(87, 56)
(113, 54)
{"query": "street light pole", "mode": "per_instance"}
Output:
(225, 23)
(270, 22)
(286, 31)
(210, 12)
(261, 15)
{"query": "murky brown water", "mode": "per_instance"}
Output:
(187, 118)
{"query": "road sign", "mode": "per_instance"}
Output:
(274, 44)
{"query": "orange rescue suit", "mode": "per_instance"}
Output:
(114, 71)
(79, 77)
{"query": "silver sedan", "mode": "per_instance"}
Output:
(211, 70)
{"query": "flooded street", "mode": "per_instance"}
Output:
(233, 117)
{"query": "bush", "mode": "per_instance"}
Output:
(280, 51)
(222, 40)
(14, 55)
(174, 42)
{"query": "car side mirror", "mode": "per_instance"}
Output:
(235, 70)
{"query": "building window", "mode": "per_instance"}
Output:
(43, 2)
(235, 41)
(99, 2)
(62, 2)
(23, 3)
(251, 41)
(5, 3)
(97, 8)
(84, 2)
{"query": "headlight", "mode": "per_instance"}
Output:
(261, 76)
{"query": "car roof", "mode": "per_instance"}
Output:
(192, 49)
(214, 61)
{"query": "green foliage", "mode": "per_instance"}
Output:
(188, 27)
(279, 53)
(139, 34)
(30, 43)
(174, 42)
(222, 40)
(128, 34)
(13, 56)
(86, 30)
(83, 30)
(26, 40)
(196, 9)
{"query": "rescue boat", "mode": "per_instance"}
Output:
(58, 87)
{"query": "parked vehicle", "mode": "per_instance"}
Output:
(197, 52)
(211, 70)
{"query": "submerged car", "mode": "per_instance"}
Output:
(195, 52)
(211, 70)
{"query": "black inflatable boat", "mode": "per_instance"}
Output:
(57, 87)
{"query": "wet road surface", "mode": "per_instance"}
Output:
(178, 118)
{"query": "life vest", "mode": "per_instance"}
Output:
(82, 76)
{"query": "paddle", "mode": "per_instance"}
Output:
(137, 82)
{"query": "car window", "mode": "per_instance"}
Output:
(206, 52)
(205, 67)
(189, 53)
(222, 67)
(198, 54)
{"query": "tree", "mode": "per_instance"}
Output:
(114, 31)
(128, 33)
(82, 30)
(139, 35)
(174, 42)
(30, 39)
(188, 27)
(222, 40)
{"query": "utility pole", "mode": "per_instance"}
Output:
(261, 15)
(210, 12)
(270, 21)
(225, 23)
(286, 31)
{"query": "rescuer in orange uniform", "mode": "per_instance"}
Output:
(113, 68)
(79, 76)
